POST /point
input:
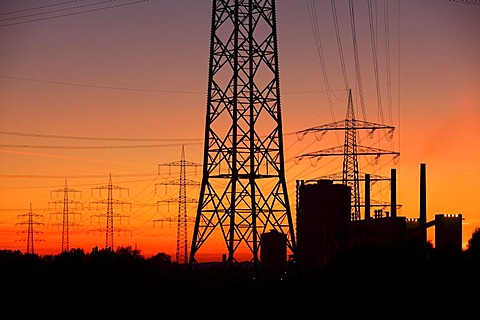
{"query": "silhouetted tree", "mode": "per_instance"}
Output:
(161, 259)
(16, 260)
(129, 252)
(163, 268)
(74, 255)
(101, 257)
(416, 250)
(8, 256)
(473, 245)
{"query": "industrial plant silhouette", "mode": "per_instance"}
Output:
(335, 258)
(243, 192)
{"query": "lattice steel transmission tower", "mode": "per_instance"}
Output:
(66, 203)
(31, 223)
(243, 193)
(110, 215)
(182, 217)
(351, 150)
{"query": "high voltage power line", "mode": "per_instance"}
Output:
(53, 136)
(25, 146)
(136, 146)
(474, 2)
(100, 86)
(52, 11)
(79, 176)
(38, 135)
(37, 8)
(143, 89)
(77, 185)
(64, 9)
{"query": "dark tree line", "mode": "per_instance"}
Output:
(123, 284)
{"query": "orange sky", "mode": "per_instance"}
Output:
(87, 93)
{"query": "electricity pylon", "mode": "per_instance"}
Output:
(182, 218)
(31, 223)
(243, 193)
(110, 214)
(351, 150)
(66, 203)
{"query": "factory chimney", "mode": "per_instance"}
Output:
(423, 203)
(367, 196)
(393, 193)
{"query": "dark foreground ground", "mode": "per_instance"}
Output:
(68, 291)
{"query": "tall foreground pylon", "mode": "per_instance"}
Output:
(243, 193)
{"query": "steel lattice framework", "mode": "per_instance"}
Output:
(66, 213)
(182, 217)
(350, 160)
(243, 192)
(110, 215)
(30, 222)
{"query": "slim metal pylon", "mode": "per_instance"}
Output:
(350, 159)
(67, 204)
(110, 215)
(243, 193)
(181, 255)
(30, 222)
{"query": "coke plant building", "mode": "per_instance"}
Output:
(324, 228)
(323, 212)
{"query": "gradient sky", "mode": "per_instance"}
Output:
(116, 88)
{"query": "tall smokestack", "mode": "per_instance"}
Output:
(367, 196)
(393, 193)
(423, 202)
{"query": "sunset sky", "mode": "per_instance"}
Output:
(95, 88)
